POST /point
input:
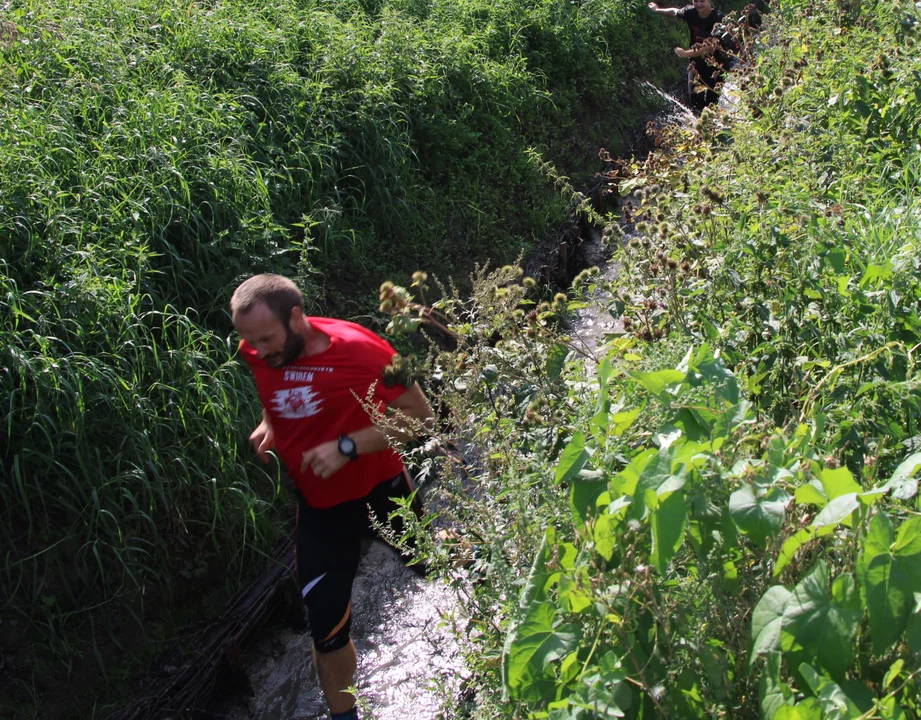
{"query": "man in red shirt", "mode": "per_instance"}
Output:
(317, 379)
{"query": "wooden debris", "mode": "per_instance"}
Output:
(187, 693)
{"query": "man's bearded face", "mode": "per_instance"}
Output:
(293, 347)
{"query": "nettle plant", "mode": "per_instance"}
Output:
(720, 566)
(663, 596)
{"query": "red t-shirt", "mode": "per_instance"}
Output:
(313, 400)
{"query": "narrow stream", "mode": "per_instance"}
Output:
(409, 661)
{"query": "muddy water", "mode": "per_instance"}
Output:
(409, 662)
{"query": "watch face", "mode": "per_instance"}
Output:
(347, 447)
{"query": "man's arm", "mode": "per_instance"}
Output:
(664, 12)
(412, 407)
(263, 438)
(699, 50)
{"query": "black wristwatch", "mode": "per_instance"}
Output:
(347, 447)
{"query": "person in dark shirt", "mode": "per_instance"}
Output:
(700, 17)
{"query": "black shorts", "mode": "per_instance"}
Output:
(329, 549)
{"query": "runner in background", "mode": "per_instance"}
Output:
(700, 18)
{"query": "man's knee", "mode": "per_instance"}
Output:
(329, 637)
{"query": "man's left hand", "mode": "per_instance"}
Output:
(682, 53)
(323, 460)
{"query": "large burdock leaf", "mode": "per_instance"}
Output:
(758, 516)
(538, 577)
(819, 628)
(573, 458)
(913, 631)
(837, 702)
(530, 648)
(837, 511)
(837, 482)
(766, 620)
(668, 522)
(889, 574)
(808, 709)
(659, 383)
(773, 694)
(903, 483)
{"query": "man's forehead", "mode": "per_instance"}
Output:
(259, 314)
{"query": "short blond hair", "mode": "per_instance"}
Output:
(279, 294)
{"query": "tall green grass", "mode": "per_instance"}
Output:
(122, 452)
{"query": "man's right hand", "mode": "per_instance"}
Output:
(263, 439)
(653, 6)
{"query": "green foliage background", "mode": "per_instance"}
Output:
(153, 153)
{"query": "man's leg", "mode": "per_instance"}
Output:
(336, 671)
(328, 547)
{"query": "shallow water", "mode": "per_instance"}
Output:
(409, 661)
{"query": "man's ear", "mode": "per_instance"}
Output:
(296, 320)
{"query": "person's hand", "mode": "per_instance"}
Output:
(323, 460)
(682, 53)
(653, 6)
(263, 439)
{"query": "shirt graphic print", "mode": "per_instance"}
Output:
(298, 402)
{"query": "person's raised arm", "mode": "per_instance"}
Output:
(664, 12)
(697, 51)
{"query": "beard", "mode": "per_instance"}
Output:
(294, 346)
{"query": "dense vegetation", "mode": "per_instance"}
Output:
(717, 515)
(152, 153)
